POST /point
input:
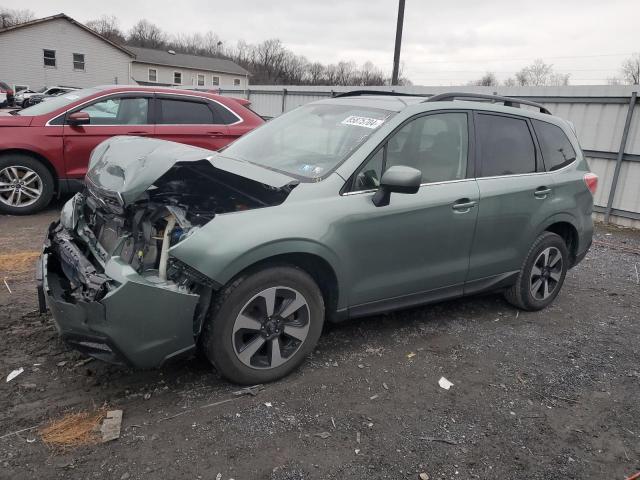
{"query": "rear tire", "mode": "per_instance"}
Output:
(262, 325)
(542, 274)
(33, 179)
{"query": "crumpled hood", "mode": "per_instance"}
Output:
(128, 165)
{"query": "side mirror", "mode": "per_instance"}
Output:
(78, 118)
(398, 179)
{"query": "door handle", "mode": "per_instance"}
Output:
(137, 133)
(216, 134)
(463, 205)
(542, 192)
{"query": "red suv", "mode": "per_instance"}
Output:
(45, 149)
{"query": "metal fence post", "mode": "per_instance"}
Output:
(623, 146)
(284, 98)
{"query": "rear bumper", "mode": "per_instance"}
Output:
(133, 322)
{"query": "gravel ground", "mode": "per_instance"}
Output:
(545, 395)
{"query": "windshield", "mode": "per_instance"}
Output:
(61, 101)
(310, 141)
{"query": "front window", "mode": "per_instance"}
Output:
(78, 61)
(200, 80)
(58, 102)
(118, 111)
(153, 75)
(50, 58)
(236, 82)
(177, 78)
(215, 80)
(311, 141)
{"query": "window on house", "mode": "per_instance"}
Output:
(49, 58)
(200, 80)
(236, 82)
(215, 80)
(153, 75)
(78, 61)
(177, 78)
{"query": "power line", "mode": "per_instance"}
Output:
(527, 58)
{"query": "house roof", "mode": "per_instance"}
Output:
(183, 60)
(62, 16)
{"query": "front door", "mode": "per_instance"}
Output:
(123, 114)
(416, 249)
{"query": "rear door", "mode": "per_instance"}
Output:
(120, 114)
(516, 196)
(191, 120)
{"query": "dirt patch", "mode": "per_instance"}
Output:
(17, 262)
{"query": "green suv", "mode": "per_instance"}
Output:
(345, 207)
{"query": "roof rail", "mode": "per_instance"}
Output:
(357, 93)
(507, 101)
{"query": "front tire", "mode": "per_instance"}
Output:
(542, 274)
(262, 325)
(26, 185)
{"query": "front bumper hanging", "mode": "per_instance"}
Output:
(117, 316)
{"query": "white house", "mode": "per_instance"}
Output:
(58, 50)
(159, 67)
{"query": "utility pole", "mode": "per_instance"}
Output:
(396, 53)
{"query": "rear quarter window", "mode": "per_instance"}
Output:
(557, 151)
(505, 145)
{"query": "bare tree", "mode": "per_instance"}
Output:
(10, 17)
(269, 61)
(540, 73)
(631, 69)
(146, 34)
(489, 79)
(108, 26)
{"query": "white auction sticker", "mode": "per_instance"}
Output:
(366, 122)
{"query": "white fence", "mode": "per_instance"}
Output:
(604, 117)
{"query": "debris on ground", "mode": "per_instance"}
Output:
(268, 404)
(424, 476)
(444, 383)
(14, 374)
(385, 386)
(323, 435)
(441, 440)
(73, 430)
(7, 285)
(111, 425)
(83, 362)
(411, 355)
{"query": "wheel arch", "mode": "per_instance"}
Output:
(565, 227)
(36, 156)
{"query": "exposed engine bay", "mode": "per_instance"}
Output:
(141, 233)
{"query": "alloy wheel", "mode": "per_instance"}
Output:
(20, 186)
(546, 273)
(271, 328)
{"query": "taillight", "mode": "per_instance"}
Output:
(591, 181)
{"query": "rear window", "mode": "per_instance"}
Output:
(505, 145)
(557, 151)
(180, 112)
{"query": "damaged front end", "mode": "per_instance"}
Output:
(114, 290)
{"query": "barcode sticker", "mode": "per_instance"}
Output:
(366, 122)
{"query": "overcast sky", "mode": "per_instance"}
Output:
(444, 42)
